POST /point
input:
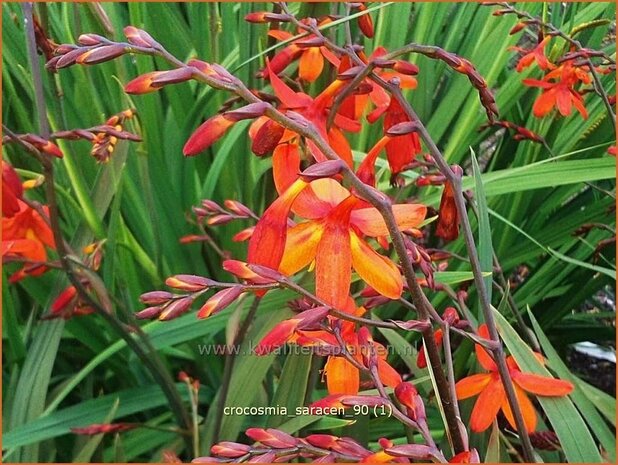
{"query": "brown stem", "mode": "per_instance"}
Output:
(498, 351)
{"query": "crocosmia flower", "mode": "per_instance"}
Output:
(492, 397)
(332, 238)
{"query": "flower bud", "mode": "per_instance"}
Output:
(139, 37)
(156, 297)
(149, 313)
(101, 54)
(325, 169)
(272, 437)
(91, 39)
(220, 301)
(267, 138)
(189, 283)
(230, 449)
(176, 308)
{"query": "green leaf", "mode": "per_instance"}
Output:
(456, 277)
(485, 248)
(575, 438)
(493, 445)
(292, 386)
(586, 407)
(609, 272)
(130, 401)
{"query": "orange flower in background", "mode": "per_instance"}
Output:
(537, 54)
(332, 238)
(492, 396)
(559, 92)
(310, 50)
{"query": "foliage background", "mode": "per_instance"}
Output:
(58, 374)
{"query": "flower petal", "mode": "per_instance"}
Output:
(377, 271)
(286, 166)
(311, 64)
(487, 405)
(526, 407)
(340, 144)
(388, 375)
(288, 97)
(333, 265)
(341, 376)
(541, 385)
(472, 385)
(563, 101)
(207, 134)
(268, 240)
(544, 103)
(300, 247)
(320, 198)
(481, 354)
(371, 223)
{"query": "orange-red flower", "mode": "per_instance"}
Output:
(536, 54)
(448, 219)
(491, 392)
(559, 92)
(12, 190)
(25, 236)
(332, 237)
(310, 50)
(312, 109)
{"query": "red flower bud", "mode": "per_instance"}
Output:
(188, 282)
(142, 84)
(173, 76)
(518, 27)
(139, 37)
(243, 235)
(65, 298)
(253, 110)
(220, 301)
(419, 452)
(365, 23)
(405, 67)
(207, 134)
(448, 219)
(406, 394)
(176, 308)
(149, 313)
(325, 169)
(267, 138)
(91, 39)
(104, 428)
(156, 297)
(401, 129)
(101, 54)
(229, 449)
(272, 437)
(237, 208)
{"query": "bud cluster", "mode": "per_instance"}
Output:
(166, 305)
(42, 145)
(521, 133)
(273, 445)
(104, 137)
(93, 49)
